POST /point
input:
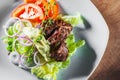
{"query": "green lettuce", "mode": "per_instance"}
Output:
(49, 71)
(9, 40)
(72, 45)
(74, 20)
(10, 30)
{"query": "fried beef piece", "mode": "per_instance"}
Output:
(56, 34)
(49, 30)
(61, 33)
(61, 53)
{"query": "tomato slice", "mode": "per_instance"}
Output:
(50, 7)
(18, 11)
(28, 11)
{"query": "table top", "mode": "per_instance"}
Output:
(109, 67)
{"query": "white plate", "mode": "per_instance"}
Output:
(85, 60)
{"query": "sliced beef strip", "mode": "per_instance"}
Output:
(49, 30)
(60, 34)
(61, 53)
(60, 23)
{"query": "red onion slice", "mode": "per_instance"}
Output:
(38, 60)
(22, 65)
(14, 57)
(9, 23)
(16, 26)
(22, 39)
(37, 63)
(24, 44)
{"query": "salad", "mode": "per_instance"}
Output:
(40, 39)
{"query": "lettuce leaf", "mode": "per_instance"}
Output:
(49, 71)
(10, 30)
(22, 49)
(74, 20)
(72, 45)
(9, 40)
